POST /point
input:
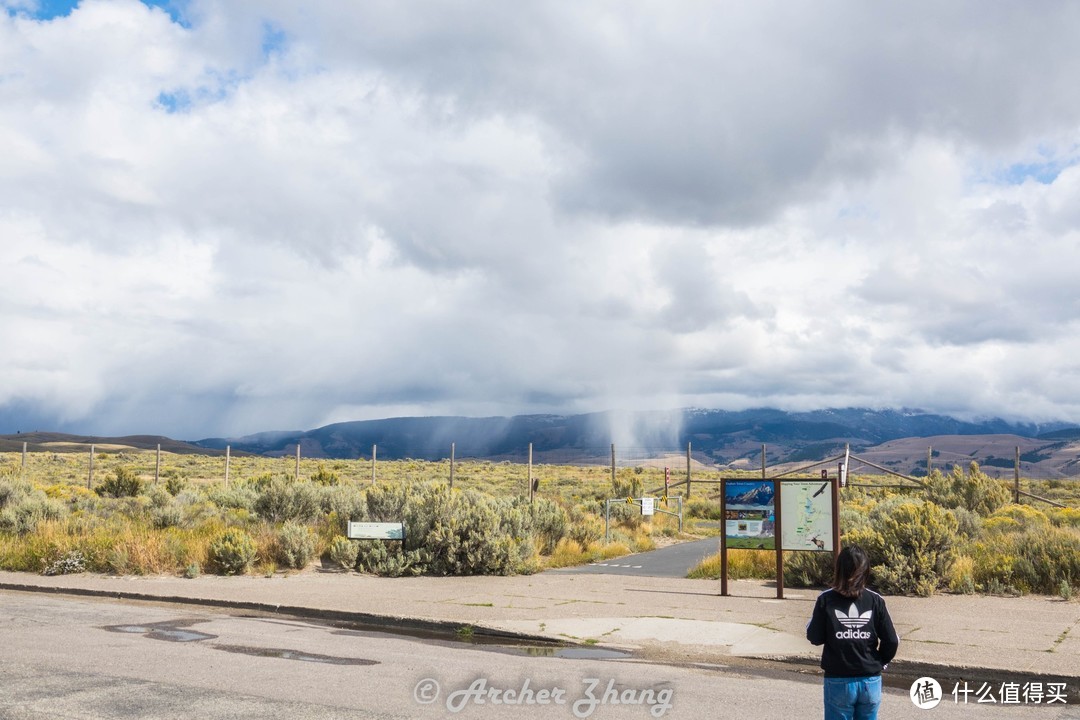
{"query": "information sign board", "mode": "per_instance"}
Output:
(807, 512)
(750, 514)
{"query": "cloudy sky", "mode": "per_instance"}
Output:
(225, 216)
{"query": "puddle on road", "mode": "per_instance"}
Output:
(571, 653)
(508, 646)
(170, 632)
(294, 655)
(177, 631)
(180, 631)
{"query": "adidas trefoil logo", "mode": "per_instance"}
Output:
(853, 621)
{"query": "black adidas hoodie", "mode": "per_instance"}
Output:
(858, 634)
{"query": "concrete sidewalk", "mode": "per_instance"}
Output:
(1032, 638)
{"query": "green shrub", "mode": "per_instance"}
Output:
(22, 514)
(323, 476)
(1024, 517)
(11, 490)
(168, 516)
(585, 528)
(911, 545)
(235, 497)
(547, 522)
(1034, 560)
(295, 545)
(702, 508)
(343, 503)
(852, 519)
(343, 552)
(175, 484)
(232, 552)
(976, 491)
(121, 482)
(283, 500)
(452, 532)
(962, 575)
(159, 497)
(390, 559)
(1065, 517)
(623, 486)
(808, 569)
(968, 524)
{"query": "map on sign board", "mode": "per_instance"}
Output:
(750, 520)
(806, 509)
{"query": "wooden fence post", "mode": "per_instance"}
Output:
(687, 470)
(1016, 478)
(157, 466)
(530, 479)
(90, 475)
(228, 458)
(298, 462)
(612, 466)
(374, 450)
(452, 465)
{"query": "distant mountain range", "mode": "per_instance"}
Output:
(716, 437)
(901, 440)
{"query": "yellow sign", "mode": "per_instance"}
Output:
(629, 501)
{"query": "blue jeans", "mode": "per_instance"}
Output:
(852, 698)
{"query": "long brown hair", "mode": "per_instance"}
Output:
(852, 571)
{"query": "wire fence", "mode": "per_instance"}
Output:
(674, 464)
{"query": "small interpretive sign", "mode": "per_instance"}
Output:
(376, 531)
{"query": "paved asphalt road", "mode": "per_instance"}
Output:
(671, 561)
(67, 657)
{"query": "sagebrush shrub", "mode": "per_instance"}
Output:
(171, 515)
(584, 527)
(295, 545)
(808, 569)
(343, 552)
(702, 508)
(546, 521)
(911, 545)
(390, 559)
(236, 497)
(232, 552)
(24, 513)
(283, 500)
(459, 532)
(342, 504)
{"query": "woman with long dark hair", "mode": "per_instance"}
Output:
(853, 624)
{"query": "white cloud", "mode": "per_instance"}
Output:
(278, 215)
